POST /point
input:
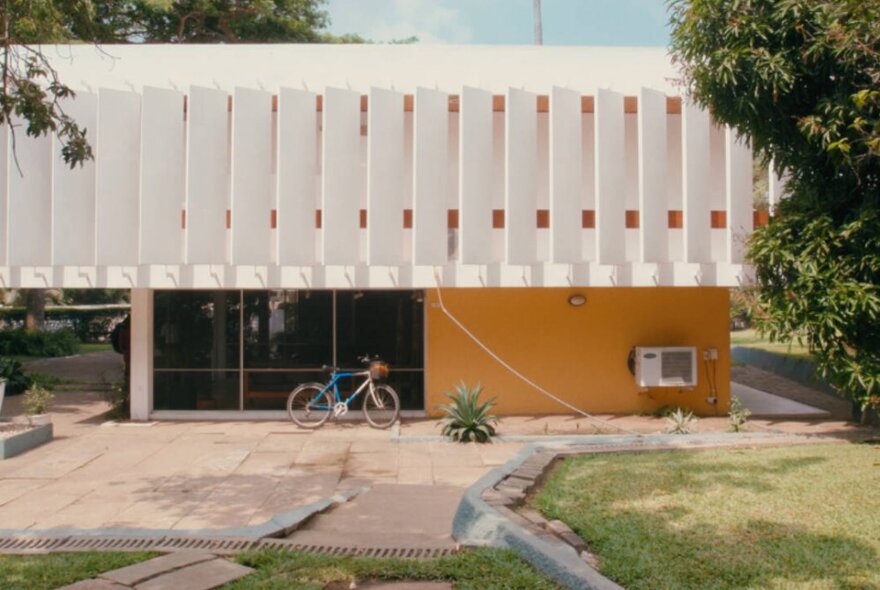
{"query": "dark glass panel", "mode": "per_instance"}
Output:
(387, 323)
(268, 390)
(196, 390)
(288, 329)
(196, 329)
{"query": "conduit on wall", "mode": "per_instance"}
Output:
(517, 373)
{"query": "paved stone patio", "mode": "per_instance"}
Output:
(209, 475)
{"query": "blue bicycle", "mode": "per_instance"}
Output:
(311, 404)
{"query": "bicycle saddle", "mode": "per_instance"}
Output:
(329, 369)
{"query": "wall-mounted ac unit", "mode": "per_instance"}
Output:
(666, 366)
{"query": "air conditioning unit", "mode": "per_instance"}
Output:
(666, 366)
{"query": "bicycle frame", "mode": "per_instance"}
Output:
(334, 379)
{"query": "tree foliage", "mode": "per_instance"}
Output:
(801, 78)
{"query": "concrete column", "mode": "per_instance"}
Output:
(141, 354)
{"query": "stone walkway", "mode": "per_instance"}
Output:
(174, 571)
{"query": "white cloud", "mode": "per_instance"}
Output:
(385, 20)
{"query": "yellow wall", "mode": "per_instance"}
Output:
(577, 353)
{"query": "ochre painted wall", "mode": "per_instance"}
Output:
(577, 353)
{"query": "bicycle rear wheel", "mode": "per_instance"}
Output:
(309, 405)
(382, 407)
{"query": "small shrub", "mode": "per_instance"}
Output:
(28, 343)
(467, 419)
(738, 414)
(119, 399)
(16, 380)
(45, 380)
(36, 400)
(680, 422)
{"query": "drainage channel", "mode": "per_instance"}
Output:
(217, 545)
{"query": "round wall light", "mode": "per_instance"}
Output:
(577, 300)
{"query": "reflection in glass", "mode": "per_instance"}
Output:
(288, 329)
(196, 329)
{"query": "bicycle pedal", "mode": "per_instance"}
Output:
(340, 409)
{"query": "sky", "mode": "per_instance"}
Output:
(566, 22)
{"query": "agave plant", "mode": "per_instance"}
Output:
(680, 422)
(467, 419)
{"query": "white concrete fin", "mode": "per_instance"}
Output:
(340, 191)
(521, 185)
(297, 176)
(163, 176)
(695, 182)
(30, 199)
(251, 176)
(653, 199)
(610, 205)
(385, 177)
(207, 175)
(475, 176)
(118, 177)
(73, 191)
(430, 186)
(566, 187)
(740, 216)
(776, 186)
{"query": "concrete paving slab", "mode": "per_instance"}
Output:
(389, 515)
(767, 405)
(201, 576)
(140, 572)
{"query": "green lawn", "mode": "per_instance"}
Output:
(752, 339)
(38, 572)
(483, 568)
(801, 517)
(479, 569)
(96, 347)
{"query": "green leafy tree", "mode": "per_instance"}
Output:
(801, 78)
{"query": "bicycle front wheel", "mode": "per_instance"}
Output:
(309, 405)
(381, 406)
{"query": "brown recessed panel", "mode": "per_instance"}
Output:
(454, 103)
(273, 219)
(365, 103)
(588, 219)
(761, 217)
(229, 103)
(452, 218)
(543, 103)
(319, 102)
(498, 103)
(632, 219)
(718, 219)
(228, 219)
(407, 218)
(673, 105)
(363, 218)
(183, 219)
(675, 219)
(497, 218)
(542, 218)
(630, 104)
(318, 218)
(587, 104)
(409, 102)
(274, 103)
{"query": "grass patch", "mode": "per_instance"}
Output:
(39, 572)
(752, 339)
(91, 347)
(799, 517)
(482, 568)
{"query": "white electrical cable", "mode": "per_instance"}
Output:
(516, 373)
